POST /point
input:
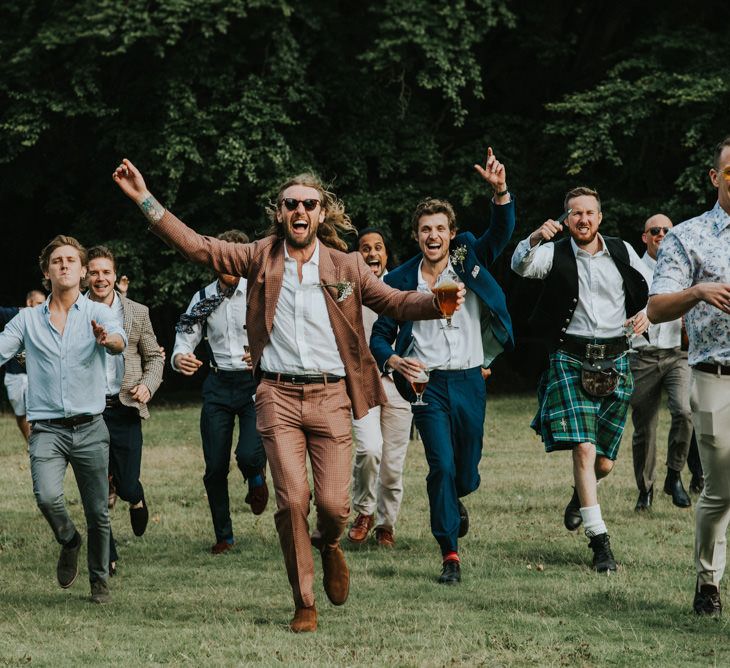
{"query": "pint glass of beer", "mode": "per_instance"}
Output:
(446, 290)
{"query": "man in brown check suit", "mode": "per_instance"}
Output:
(309, 349)
(132, 379)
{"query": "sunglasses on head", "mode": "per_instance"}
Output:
(292, 204)
(654, 231)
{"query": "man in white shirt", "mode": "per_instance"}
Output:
(217, 315)
(381, 437)
(592, 285)
(660, 363)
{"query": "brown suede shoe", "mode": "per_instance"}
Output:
(384, 537)
(221, 546)
(336, 577)
(305, 620)
(258, 497)
(360, 529)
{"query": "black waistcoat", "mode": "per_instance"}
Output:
(559, 297)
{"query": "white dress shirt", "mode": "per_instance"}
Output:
(302, 340)
(601, 309)
(115, 363)
(665, 335)
(226, 333)
(440, 348)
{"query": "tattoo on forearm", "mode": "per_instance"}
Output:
(152, 209)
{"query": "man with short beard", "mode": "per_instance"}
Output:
(66, 340)
(381, 437)
(217, 316)
(131, 381)
(592, 285)
(304, 322)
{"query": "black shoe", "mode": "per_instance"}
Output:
(463, 520)
(707, 601)
(603, 560)
(450, 573)
(697, 484)
(67, 568)
(645, 499)
(138, 517)
(673, 486)
(572, 519)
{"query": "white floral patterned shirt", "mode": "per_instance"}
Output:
(698, 251)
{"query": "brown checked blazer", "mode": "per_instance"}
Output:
(143, 361)
(262, 264)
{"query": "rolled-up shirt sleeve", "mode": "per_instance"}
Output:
(534, 262)
(105, 317)
(674, 268)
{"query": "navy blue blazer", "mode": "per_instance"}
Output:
(472, 272)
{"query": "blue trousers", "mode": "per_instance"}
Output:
(228, 394)
(452, 429)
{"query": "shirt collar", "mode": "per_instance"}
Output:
(721, 218)
(576, 248)
(314, 259)
(76, 305)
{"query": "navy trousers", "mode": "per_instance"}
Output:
(226, 395)
(125, 457)
(452, 430)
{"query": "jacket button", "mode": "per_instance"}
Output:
(575, 301)
(567, 320)
(562, 330)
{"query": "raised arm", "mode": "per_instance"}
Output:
(222, 256)
(533, 258)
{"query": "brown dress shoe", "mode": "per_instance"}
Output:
(360, 529)
(384, 537)
(258, 497)
(305, 620)
(221, 546)
(336, 578)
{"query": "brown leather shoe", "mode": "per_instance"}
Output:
(258, 497)
(336, 577)
(360, 529)
(221, 546)
(384, 537)
(305, 620)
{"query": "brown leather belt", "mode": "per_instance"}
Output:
(305, 379)
(72, 421)
(594, 348)
(718, 369)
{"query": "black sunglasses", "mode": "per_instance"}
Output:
(654, 231)
(292, 204)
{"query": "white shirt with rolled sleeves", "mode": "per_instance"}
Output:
(226, 330)
(302, 340)
(698, 251)
(601, 309)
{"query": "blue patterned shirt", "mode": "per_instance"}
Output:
(698, 251)
(66, 373)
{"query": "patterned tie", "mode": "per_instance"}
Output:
(201, 310)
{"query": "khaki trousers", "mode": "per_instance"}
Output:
(295, 421)
(381, 439)
(710, 399)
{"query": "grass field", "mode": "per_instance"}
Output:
(528, 596)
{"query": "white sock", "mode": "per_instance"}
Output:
(592, 521)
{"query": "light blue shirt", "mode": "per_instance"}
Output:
(66, 373)
(698, 251)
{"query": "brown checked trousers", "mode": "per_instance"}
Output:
(295, 421)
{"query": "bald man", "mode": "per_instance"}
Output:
(660, 363)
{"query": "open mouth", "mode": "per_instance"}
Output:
(434, 245)
(300, 225)
(374, 264)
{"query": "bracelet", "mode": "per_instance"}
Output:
(501, 194)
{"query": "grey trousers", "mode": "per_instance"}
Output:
(654, 370)
(711, 408)
(86, 447)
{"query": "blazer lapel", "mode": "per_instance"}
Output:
(127, 315)
(328, 274)
(273, 280)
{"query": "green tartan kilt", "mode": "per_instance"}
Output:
(567, 415)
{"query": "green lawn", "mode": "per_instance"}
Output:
(528, 596)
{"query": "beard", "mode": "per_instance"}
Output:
(583, 241)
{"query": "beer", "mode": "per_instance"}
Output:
(418, 387)
(446, 296)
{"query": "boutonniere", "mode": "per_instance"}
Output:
(344, 289)
(458, 255)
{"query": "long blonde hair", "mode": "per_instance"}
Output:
(336, 222)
